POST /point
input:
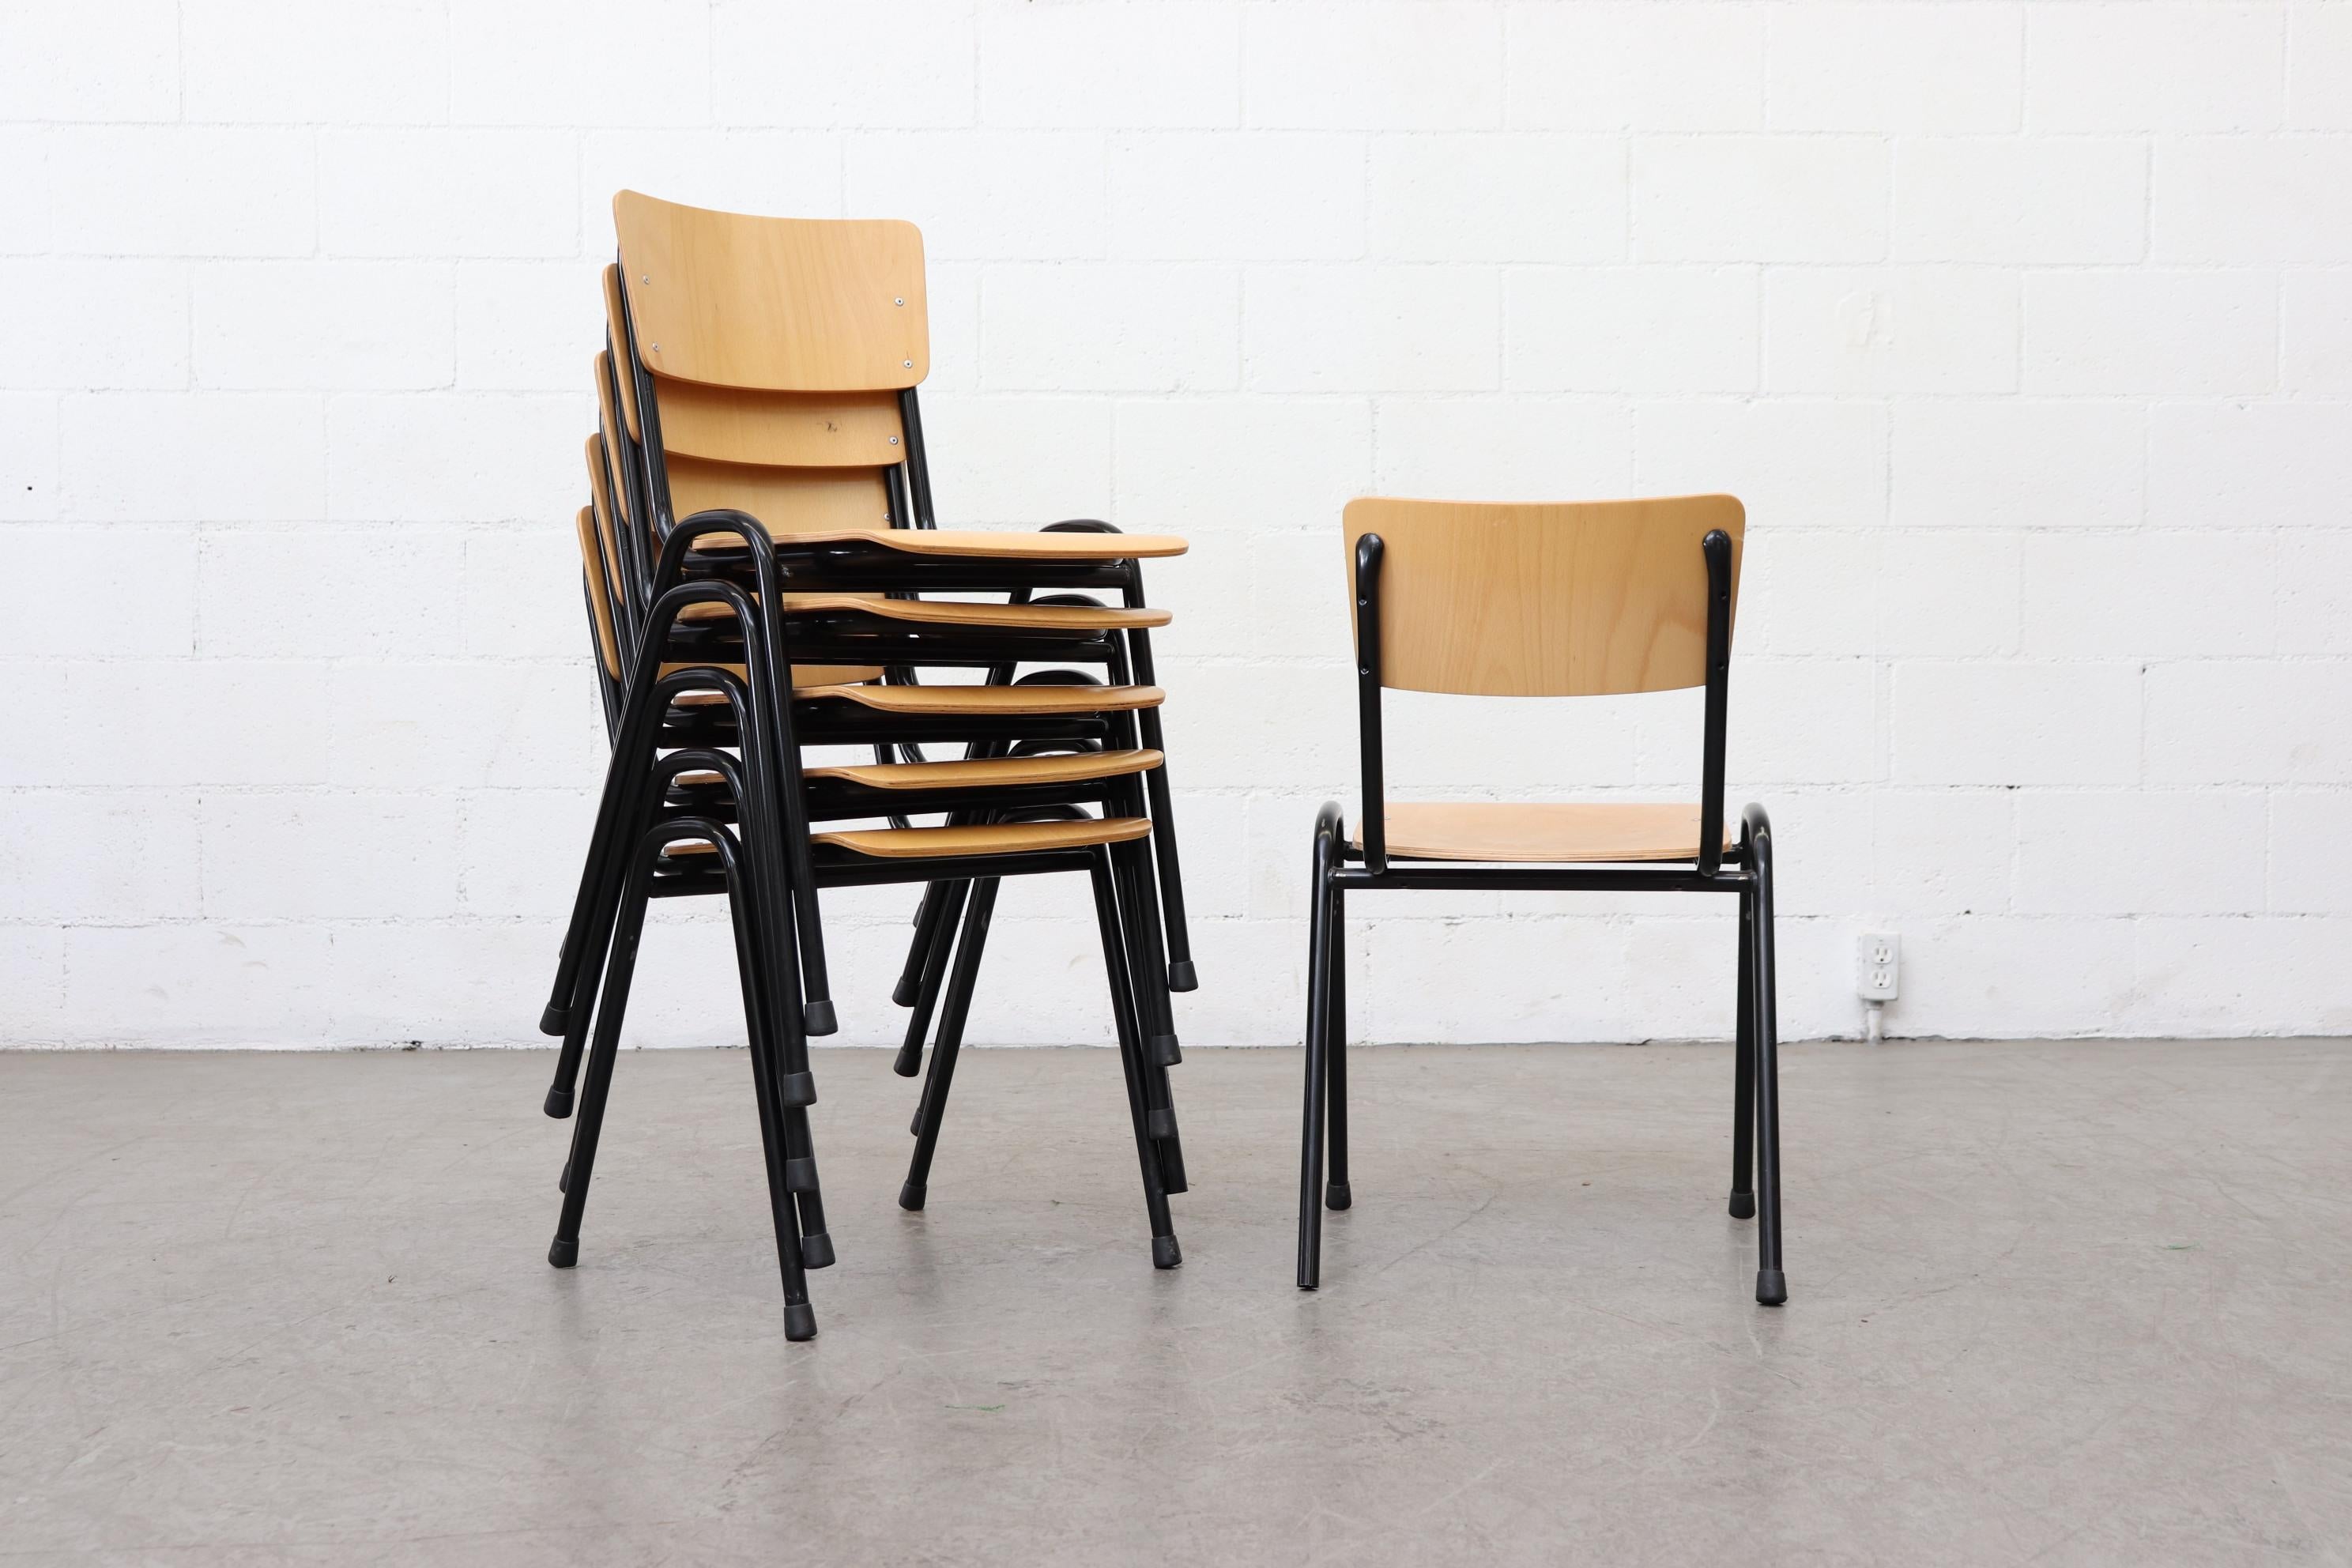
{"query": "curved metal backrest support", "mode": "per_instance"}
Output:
(918, 462)
(1719, 551)
(1365, 579)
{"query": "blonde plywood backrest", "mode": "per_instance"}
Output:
(772, 304)
(607, 516)
(599, 603)
(785, 500)
(616, 333)
(1574, 599)
(781, 430)
(608, 421)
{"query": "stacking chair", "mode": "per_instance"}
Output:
(1593, 599)
(762, 395)
(807, 396)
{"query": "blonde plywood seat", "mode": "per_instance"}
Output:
(1072, 618)
(939, 843)
(993, 838)
(982, 544)
(1001, 771)
(711, 486)
(996, 700)
(1558, 832)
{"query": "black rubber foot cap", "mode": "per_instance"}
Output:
(555, 1020)
(1164, 1052)
(1743, 1205)
(564, 1182)
(1180, 977)
(563, 1254)
(559, 1102)
(797, 1087)
(909, 1061)
(1771, 1287)
(911, 1195)
(817, 1018)
(816, 1251)
(1335, 1195)
(800, 1321)
(799, 1176)
(1165, 1253)
(908, 989)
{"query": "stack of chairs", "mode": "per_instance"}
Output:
(762, 566)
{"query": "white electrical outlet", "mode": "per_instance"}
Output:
(1878, 965)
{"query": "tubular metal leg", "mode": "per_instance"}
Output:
(799, 1317)
(939, 942)
(595, 945)
(918, 949)
(1165, 1252)
(802, 1244)
(1743, 1097)
(564, 1251)
(800, 1178)
(1127, 862)
(1178, 951)
(1335, 1193)
(952, 1014)
(800, 1321)
(1319, 1038)
(573, 956)
(607, 867)
(1772, 1281)
(1149, 961)
(1129, 1032)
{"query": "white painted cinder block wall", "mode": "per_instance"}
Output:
(2025, 330)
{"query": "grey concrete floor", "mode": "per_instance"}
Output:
(2068, 1303)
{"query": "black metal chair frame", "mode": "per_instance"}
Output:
(768, 867)
(1340, 868)
(775, 813)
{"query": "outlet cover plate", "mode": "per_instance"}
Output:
(1877, 966)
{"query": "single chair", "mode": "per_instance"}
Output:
(1589, 599)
